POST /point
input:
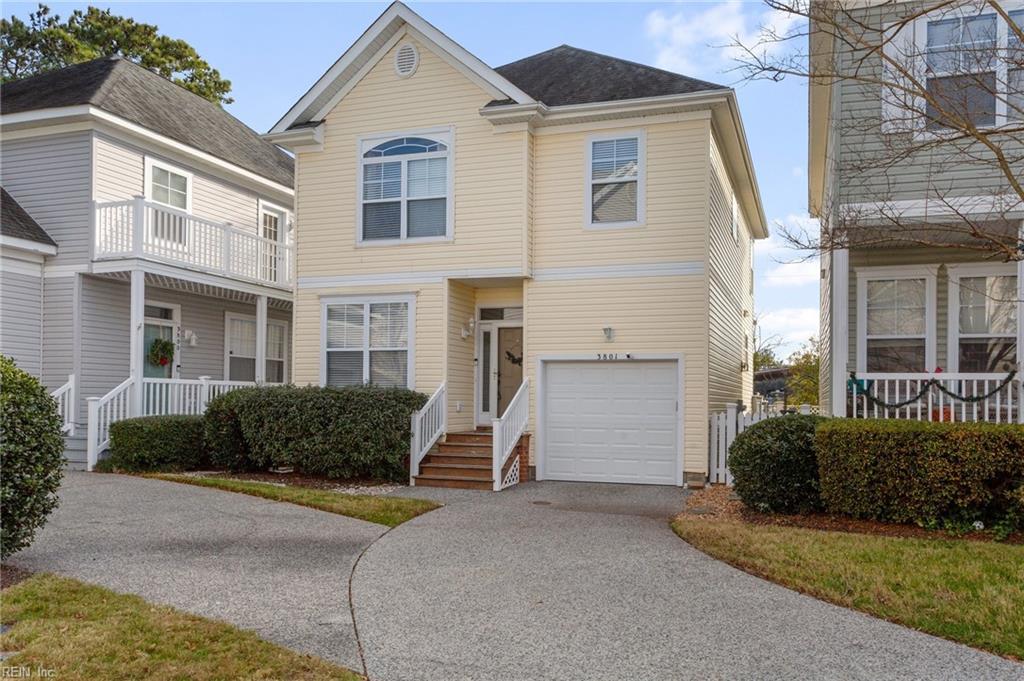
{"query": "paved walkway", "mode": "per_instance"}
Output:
(277, 569)
(545, 581)
(567, 581)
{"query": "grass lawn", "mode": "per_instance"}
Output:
(389, 511)
(966, 591)
(87, 632)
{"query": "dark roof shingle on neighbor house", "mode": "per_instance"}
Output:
(140, 96)
(568, 75)
(16, 222)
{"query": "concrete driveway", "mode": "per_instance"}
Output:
(568, 581)
(277, 569)
(544, 581)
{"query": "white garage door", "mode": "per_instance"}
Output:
(611, 421)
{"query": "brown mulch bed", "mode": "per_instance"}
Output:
(718, 502)
(11, 575)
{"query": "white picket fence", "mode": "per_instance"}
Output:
(725, 426)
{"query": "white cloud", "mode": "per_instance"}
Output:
(792, 325)
(802, 273)
(703, 43)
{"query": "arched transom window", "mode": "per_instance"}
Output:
(404, 188)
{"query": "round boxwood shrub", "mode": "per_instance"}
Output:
(774, 465)
(156, 443)
(31, 456)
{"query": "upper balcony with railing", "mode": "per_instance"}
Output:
(147, 230)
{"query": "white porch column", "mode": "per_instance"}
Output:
(1020, 326)
(137, 314)
(261, 339)
(840, 318)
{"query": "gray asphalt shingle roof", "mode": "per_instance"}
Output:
(138, 95)
(16, 222)
(569, 75)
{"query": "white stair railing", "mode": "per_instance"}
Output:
(65, 397)
(507, 430)
(112, 407)
(428, 424)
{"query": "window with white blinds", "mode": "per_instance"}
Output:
(404, 189)
(615, 177)
(241, 349)
(367, 342)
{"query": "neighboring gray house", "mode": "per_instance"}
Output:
(136, 212)
(897, 311)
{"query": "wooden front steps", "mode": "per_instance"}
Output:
(462, 460)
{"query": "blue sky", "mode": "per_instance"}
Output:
(272, 52)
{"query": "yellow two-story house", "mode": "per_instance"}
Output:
(562, 246)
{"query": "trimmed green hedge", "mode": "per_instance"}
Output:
(774, 466)
(157, 443)
(334, 432)
(222, 431)
(31, 456)
(932, 474)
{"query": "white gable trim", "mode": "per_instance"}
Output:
(398, 12)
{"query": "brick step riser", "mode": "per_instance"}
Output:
(467, 473)
(459, 484)
(452, 458)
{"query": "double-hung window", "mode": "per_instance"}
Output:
(974, 68)
(895, 318)
(404, 188)
(241, 349)
(171, 187)
(984, 309)
(367, 342)
(615, 181)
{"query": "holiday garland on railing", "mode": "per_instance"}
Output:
(926, 386)
(161, 352)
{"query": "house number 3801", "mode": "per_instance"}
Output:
(607, 355)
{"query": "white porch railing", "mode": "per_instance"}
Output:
(937, 397)
(112, 407)
(506, 431)
(725, 426)
(428, 424)
(143, 229)
(65, 397)
(160, 397)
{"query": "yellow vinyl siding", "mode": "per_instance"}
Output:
(676, 207)
(500, 297)
(490, 202)
(730, 303)
(430, 337)
(460, 354)
(658, 315)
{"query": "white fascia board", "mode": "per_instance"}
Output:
(97, 115)
(748, 166)
(310, 138)
(27, 245)
(397, 12)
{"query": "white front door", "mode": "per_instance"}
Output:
(273, 225)
(615, 421)
(161, 323)
(499, 353)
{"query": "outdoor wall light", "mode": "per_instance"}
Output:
(609, 334)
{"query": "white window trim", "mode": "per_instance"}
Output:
(927, 272)
(264, 206)
(915, 37)
(445, 134)
(408, 298)
(957, 272)
(149, 164)
(641, 180)
(228, 316)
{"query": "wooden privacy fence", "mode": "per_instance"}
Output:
(725, 426)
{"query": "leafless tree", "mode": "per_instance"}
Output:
(932, 109)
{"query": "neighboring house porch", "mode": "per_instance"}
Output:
(925, 333)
